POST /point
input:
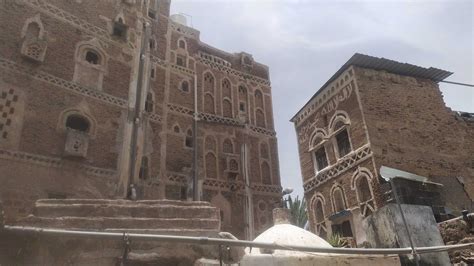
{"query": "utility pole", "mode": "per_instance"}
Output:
(250, 234)
(196, 189)
(137, 113)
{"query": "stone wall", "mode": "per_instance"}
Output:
(82, 58)
(417, 133)
(458, 231)
(38, 94)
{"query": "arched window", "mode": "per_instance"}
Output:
(189, 139)
(176, 129)
(320, 158)
(227, 146)
(242, 99)
(264, 151)
(226, 89)
(338, 199)
(144, 171)
(182, 44)
(91, 64)
(363, 189)
(184, 86)
(266, 174)
(247, 60)
(318, 149)
(210, 143)
(211, 165)
(319, 213)
(92, 57)
(318, 209)
(181, 61)
(34, 43)
(361, 183)
(233, 165)
(339, 126)
(260, 117)
(120, 29)
(149, 103)
(343, 143)
(227, 108)
(209, 104)
(152, 73)
(209, 82)
(258, 99)
(32, 31)
(152, 44)
(78, 123)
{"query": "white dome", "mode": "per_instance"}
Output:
(287, 234)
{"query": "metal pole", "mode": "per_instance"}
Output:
(457, 83)
(227, 242)
(220, 255)
(248, 192)
(397, 199)
(196, 192)
(138, 102)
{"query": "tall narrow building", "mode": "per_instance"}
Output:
(376, 113)
(96, 96)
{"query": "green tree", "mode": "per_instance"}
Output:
(298, 210)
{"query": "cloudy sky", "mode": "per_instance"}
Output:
(305, 42)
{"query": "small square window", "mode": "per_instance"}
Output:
(120, 30)
(321, 158)
(181, 61)
(152, 73)
(149, 103)
(185, 86)
(182, 44)
(151, 14)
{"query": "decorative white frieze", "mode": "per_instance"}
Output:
(54, 162)
(338, 168)
(305, 131)
(322, 101)
(230, 71)
(233, 186)
(64, 84)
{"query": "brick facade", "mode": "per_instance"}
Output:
(76, 64)
(391, 120)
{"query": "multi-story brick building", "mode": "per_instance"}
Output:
(98, 95)
(375, 112)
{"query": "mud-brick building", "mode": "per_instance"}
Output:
(375, 112)
(98, 95)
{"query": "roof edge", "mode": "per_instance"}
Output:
(380, 63)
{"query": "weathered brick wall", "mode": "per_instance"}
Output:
(411, 129)
(32, 160)
(179, 114)
(47, 89)
(338, 98)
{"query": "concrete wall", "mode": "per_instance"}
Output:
(385, 229)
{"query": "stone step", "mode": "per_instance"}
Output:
(103, 223)
(123, 202)
(126, 210)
